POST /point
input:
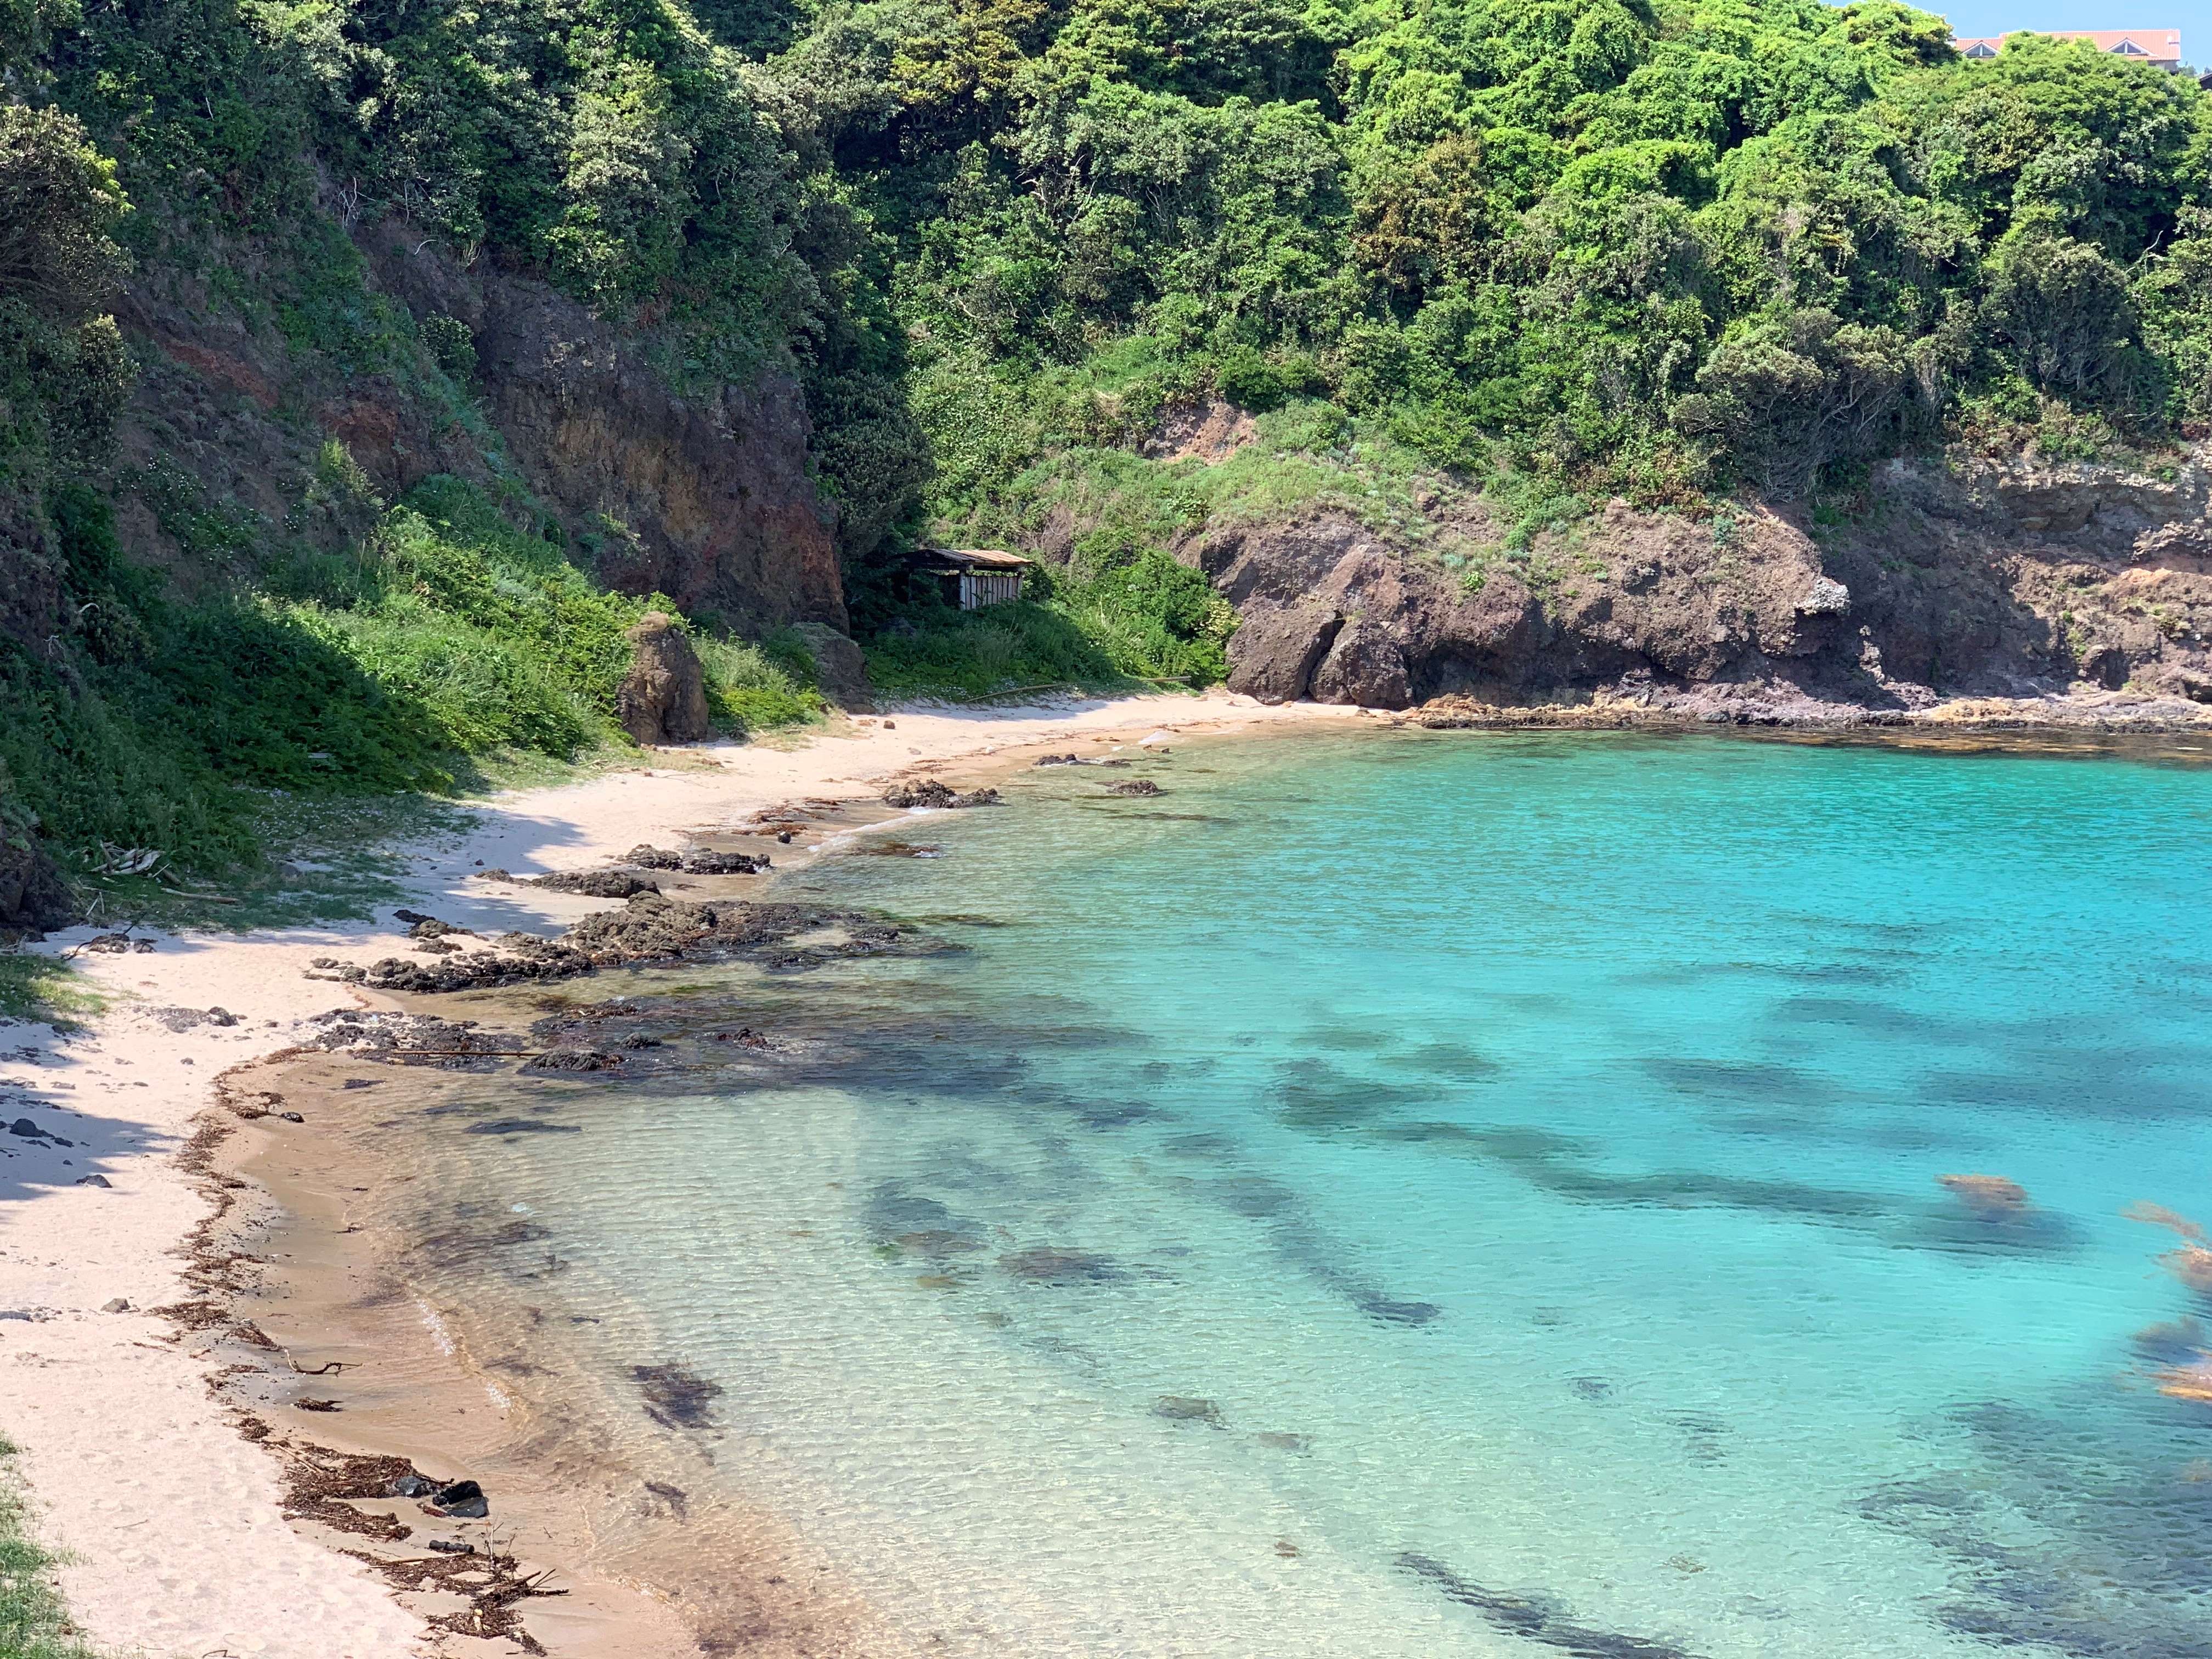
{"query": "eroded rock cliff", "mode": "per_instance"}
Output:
(705, 497)
(1973, 579)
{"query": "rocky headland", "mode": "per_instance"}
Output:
(2001, 591)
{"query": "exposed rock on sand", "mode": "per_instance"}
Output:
(930, 793)
(184, 1019)
(705, 862)
(651, 928)
(34, 898)
(663, 699)
(1276, 648)
(595, 883)
(409, 1039)
(1363, 666)
(725, 864)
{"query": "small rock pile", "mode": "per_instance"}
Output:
(928, 791)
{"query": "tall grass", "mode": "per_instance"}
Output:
(975, 652)
(759, 687)
(33, 1623)
(451, 632)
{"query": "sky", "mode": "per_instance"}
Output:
(2193, 17)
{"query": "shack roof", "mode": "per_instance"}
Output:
(973, 558)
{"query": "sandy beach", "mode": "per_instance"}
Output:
(172, 1520)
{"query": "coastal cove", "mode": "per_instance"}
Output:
(1387, 1185)
(172, 1525)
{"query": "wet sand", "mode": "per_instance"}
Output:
(174, 1522)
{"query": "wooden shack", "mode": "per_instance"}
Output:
(971, 577)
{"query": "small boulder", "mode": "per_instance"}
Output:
(663, 699)
(34, 898)
(1275, 649)
(463, 1500)
(595, 883)
(840, 671)
(1363, 666)
(1135, 787)
(930, 792)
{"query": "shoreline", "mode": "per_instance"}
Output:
(133, 1450)
(174, 1520)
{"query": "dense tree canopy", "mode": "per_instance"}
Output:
(1666, 246)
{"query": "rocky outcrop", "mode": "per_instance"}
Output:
(1977, 579)
(702, 494)
(840, 672)
(1365, 666)
(34, 898)
(705, 498)
(1276, 648)
(663, 698)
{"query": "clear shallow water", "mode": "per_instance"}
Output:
(1426, 1194)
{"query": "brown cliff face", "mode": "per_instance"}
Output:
(1996, 581)
(706, 499)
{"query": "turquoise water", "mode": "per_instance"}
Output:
(1446, 1193)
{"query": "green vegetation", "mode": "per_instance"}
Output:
(445, 638)
(1554, 249)
(1663, 248)
(41, 988)
(352, 647)
(33, 1624)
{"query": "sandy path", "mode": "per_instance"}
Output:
(173, 1519)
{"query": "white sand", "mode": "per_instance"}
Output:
(172, 1518)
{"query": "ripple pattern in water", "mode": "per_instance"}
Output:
(1422, 1195)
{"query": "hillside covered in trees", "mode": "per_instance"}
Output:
(403, 350)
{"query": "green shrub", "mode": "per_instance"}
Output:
(976, 652)
(756, 687)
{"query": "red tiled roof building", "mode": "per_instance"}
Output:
(2161, 48)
